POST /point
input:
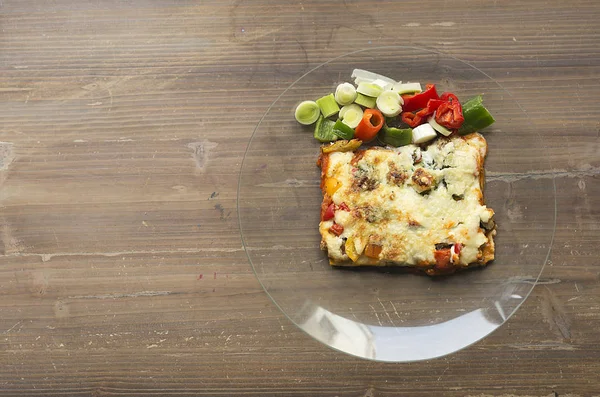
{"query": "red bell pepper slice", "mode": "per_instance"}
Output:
(369, 125)
(412, 119)
(432, 106)
(419, 101)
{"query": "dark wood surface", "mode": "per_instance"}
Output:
(123, 125)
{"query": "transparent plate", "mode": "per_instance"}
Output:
(382, 314)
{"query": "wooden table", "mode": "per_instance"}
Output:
(123, 125)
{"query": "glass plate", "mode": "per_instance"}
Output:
(382, 314)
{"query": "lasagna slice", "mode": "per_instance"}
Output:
(412, 206)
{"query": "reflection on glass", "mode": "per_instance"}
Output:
(337, 331)
(389, 343)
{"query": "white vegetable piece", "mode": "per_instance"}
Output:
(385, 85)
(407, 88)
(345, 94)
(351, 115)
(423, 133)
(439, 128)
(389, 103)
(361, 75)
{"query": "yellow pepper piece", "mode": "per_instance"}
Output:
(351, 250)
(332, 185)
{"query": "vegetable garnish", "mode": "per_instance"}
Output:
(345, 94)
(419, 101)
(476, 116)
(439, 128)
(389, 103)
(449, 114)
(412, 119)
(407, 88)
(342, 130)
(366, 101)
(395, 136)
(369, 89)
(374, 97)
(351, 115)
(370, 125)
(324, 130)
(342, 146)
(423, 133)
(430, 109)
(361, 75)
(307, 112)
(328, 105)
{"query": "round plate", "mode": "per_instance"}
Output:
(381, 314)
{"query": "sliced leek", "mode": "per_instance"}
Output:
(344, 109)
(369, 89)
(366, 101)
(423, 133)
(351, 115)
(361, 75)
(389, 103)
(307, 112)
(407, 88)
(385, 85)
(439, 128)
(328, 105)
(345, 94)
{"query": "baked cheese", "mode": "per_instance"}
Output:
(410, 206)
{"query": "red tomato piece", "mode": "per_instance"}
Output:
(329, 212)
(336, 229)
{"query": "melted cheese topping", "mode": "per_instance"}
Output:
(406, 200)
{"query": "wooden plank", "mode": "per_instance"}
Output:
(124, 126)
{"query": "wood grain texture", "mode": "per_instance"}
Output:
(123, 126)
